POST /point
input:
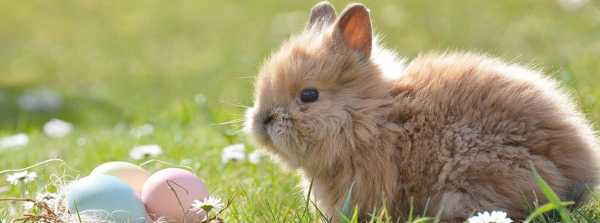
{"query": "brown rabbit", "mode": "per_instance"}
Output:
(458, 129)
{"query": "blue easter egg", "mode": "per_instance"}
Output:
(106, 197)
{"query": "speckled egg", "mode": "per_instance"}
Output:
(132, 174)
(107, 198)
(161, 201)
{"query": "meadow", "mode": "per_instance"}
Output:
(186, 68)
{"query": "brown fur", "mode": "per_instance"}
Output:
(460, 129)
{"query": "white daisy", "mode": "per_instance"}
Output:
(143, 130)
(211, 203)
(21, 177)
(254, 157)
(28, 205)
(50, 198)
(485, 217)
(233, 152)
(57, 128)
(14, 141)
(145, 151)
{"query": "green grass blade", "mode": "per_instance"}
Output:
(344, 219)
(320, 213)
(410, 210)
(421, 220)
(354, 215)
(376, 215)
(272, 214)
(77, 210)
(545, 208)
(552, 197)
(438, 215)
(3, 216)
(308, 197)
(426, 206)
(346, 209)
(593, 194)
(382, 215)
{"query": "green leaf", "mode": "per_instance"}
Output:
(545, 208)
(552, 197)
(346, 209)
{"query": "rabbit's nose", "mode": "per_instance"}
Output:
(268, 118)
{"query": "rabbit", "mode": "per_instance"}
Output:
(452, 132)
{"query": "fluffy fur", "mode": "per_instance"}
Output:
(459, 129)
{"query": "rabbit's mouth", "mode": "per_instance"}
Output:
(274, 130)
(280, 131)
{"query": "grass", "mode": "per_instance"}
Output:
(185, 66)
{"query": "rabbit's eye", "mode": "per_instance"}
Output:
(309, 95)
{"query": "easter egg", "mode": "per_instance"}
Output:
(106, 197)
(163, 202)
(132, 174)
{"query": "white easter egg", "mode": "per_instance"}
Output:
(132, 174)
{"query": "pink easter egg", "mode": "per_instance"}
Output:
(161, 201)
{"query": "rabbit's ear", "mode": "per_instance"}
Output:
(353, 27)
(322, 14)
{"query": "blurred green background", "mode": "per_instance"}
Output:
(183, 66)
(136, 60)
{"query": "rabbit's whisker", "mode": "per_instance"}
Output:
(232, 121)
